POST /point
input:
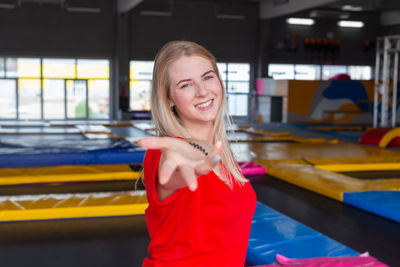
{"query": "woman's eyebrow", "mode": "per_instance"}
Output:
(181, 81)
(207, 72)
(188, 80)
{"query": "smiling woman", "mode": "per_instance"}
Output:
(200, 205)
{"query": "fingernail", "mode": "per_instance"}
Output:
(216, 159)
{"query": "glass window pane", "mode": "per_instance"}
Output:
(307, 72)
(76, 100)
(23, 67)
(222, 70)
(2, 65)
(141, 70)
(53, 99)
(238, 72)
(330, 71)
(237, 104)
(8, 99)
(99, 95)
(93, 68)
(238, 87)
(360, 72)
(58, 68)
(281, 71)
(140, 95)
(29, 98)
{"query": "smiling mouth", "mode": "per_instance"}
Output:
(204, 105)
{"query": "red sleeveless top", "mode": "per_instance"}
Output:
(208, 227)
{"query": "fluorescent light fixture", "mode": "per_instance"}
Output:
(350, 23)
(7, 6)
(300, 21)
(352, 8)
(83, 9)
(155, 13)
(230, 16)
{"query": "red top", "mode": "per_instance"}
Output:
(208, 227)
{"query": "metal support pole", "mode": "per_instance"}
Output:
(385, 91)
(395, 78)
(377, 79)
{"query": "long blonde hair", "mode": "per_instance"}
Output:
(165, 119)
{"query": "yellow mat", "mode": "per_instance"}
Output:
(298, 164)
(67, 173)
(62, 206)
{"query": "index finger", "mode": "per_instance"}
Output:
(153, 142)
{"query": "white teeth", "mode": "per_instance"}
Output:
(205, 104)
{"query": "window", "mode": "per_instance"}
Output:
(236, 79)
(51, 88)
(141, 75)
(317, 72)
(8, 104)
(360, 72)
(329, 71)
(307, 72)
(281, 71)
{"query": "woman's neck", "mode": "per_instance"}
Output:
(201, 132)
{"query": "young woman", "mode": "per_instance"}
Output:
(200, 205)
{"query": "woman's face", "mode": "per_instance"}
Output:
(195, 90)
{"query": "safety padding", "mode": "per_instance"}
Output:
(382, 137)
(274, 233)
(70, 152)
(69, 173)
(382, 203)
(67, 206)
(251, 168)
(323, 182)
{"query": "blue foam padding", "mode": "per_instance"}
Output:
(274, 233)
(382, 203)
(70, 152)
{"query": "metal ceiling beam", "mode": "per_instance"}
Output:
(272, 9)
(126, 5)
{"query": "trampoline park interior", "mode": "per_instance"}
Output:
(312, 88)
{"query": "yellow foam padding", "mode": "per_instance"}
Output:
(285, 139)
(389, 136)
(329, 184)
(338, 128)
(67, 173)
(293, 162)
(384, 166)
(318, 153)
(264, 133)
(61, 206)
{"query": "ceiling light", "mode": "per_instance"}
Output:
(155, 13)
(352, 8)
(300, 21)
(350, 24)
(83, 9)
(7, 6)
(230, 16)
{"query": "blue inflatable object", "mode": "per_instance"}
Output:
(382, 203)
(69, 152)
(274, 233)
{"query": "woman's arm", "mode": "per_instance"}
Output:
(180, 163)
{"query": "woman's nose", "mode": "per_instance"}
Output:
(201, 89)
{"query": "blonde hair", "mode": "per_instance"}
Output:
(167, 122)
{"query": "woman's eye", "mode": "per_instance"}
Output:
(208, 77)
(185, 85)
